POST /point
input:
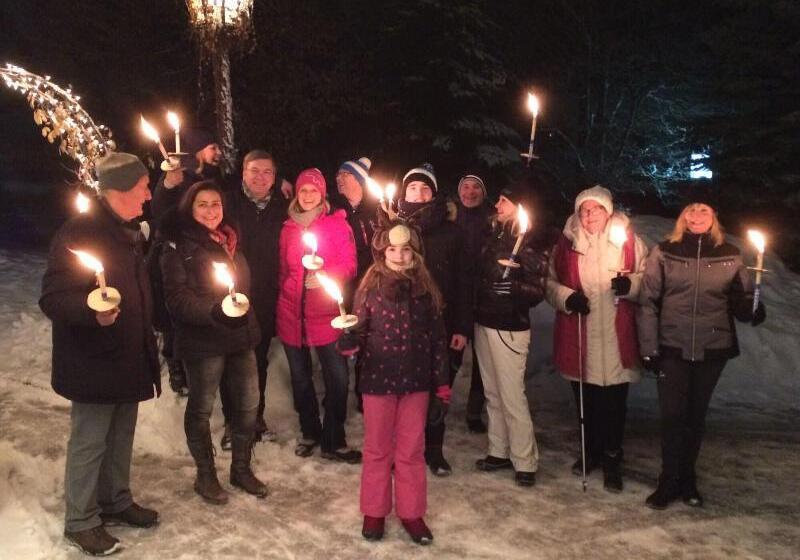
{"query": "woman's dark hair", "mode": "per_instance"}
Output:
(187, 200)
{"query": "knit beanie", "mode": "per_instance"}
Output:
(195, 139)
(312, 176)
(422, 173)
(697, 193)
(516, 192)
(599, 194)
(358, 169)
(119, 171)
(472, 178)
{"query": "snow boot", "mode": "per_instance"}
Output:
(241, 474)
(668, 491)
(134, 516)
(418, 531)
(206, 484)
(373, 528)
(94, 542)
(436, 462)
(612, 472)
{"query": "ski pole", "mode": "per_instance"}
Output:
(580, 391)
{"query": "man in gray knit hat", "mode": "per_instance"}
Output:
(105, 362)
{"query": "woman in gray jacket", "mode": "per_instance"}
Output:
(694, 285)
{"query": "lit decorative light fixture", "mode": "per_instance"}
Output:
(58, 112)
(220, 26)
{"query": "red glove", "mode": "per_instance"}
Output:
(443, 393)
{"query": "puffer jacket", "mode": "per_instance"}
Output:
(609, 345)
(303, 315)
(404, 340)
(510, 313)
(191, 292)
(691, 292)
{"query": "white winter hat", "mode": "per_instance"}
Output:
(358, 169)
(599, 194)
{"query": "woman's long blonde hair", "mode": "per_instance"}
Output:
(716, 232)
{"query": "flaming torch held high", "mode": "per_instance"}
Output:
(104, 298)
(757, 239)
(343, 321)
(533, 107)
(234, 304)
(523, 224)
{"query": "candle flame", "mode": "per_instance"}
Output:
(173, 121)
(89, 261)
(310, 240)
(618, 235)
(533, 104)
(331, 287)
(374, 188)
(82, 203)
(522, 219)
(148, 130)
(222, 274)
(757, 239)
(391, 190)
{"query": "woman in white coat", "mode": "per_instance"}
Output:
(595, 272)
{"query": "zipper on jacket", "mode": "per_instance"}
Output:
(696, 294)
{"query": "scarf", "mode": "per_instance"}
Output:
(226, 237)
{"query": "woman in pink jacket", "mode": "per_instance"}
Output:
(304, 314)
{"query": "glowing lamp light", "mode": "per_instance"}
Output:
(698, 169)
(82, 203)
(219, 14)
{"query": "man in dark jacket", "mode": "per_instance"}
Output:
(104, 362)
(420, 204)
(259, 210)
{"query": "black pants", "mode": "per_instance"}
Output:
(262, 364)
(476, 398)
(604, 412)
(684, 392)
(434, 435)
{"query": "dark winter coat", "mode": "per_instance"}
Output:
(91, 363)
(528, 282)
(691, 292)
(192, 291)
(259, 235)
(361, 219)
(403, 340)
(475, 223)
(446, 259)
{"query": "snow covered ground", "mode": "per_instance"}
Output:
(748, 466)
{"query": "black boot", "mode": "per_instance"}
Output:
(689, 493)
(591, 464)
(612, 472)
(436, 462)
(667, 492)
(206, 484)
(177, 377)
(241, 474)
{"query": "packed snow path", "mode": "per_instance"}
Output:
(747, 467)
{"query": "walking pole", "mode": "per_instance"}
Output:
(580, 391)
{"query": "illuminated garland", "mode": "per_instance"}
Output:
(59, 114)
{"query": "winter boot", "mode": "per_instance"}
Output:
(490, 463)
(206, 484)
(177, 377)
(241, 474)
(612, 472)
(373, 528)
(225, 442)
(689, 493)
(134, 516)
(668, 491)
(94, 542)
(436, 462)
(417, 530)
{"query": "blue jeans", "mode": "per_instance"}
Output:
(241, 383)
(330, 432)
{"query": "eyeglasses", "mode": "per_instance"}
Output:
(592, 211)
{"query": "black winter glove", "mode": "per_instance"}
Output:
(230, 322)
(760, 314)
(437, 410)
(578, 303)
(621, 285)
(347, 344)
(501, 287)
(653, 365)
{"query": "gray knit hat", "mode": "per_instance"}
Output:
(119, 171)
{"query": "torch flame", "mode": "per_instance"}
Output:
(148, 130)
(331, 287)
(222, 275)
(757, 239)
(173, 121)
(310, 240)
(89, 261)
(533, 104)
(82, 203)
(522, 219)
(618, 235)
(391, 190)
(374, 188)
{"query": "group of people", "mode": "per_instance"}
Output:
(423, 278)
